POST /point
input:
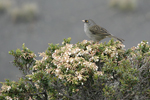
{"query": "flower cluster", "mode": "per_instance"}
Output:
(142, 49)
(5, 88)
(9, 98)
(28, 55)
(112, 50)
(75, 64)
(142, 44)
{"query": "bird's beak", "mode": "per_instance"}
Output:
(83, 20)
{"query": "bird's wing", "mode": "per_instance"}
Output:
(99, 30)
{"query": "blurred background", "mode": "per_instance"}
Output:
(39, 22)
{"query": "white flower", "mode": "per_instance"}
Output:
(47, 66)
(91, 58)
(69, 49)
(62, 48)
(74, 51)
(82, 83)
(69, 45)
(80, 77)
(8, 98)
(79, 54)
(60, 94)
(8, 88)
(59, 66)
(45, 57)
(69, 53)
(15, 98)
(76, 72)
(147, 42)
(67, 60)
(84, 41)
(38, 81)
(89, 48)
(112, 54)
(60, 77)
(123, 46)
(82, 52)
(99, 73)
(111, 77)
(95, 58)
(90, 63)
(113, 48)
(138, 46)
(37, 86)
(63, 42)
(95, 68)
(67, 69)
(107, 51)
(71, 60)
(57, 70)
(33, 73)
(142, 42)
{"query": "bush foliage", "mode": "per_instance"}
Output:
(82, 71)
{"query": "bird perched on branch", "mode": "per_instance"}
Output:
(96, 32)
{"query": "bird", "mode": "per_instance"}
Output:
(96, 32)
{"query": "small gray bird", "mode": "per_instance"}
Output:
(96, 32)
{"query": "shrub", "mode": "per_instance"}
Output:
(26, 13)
(4, 5)
(83, 71)
(124, 4)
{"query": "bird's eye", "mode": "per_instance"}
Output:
(86, 21)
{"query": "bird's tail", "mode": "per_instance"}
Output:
(120, 39)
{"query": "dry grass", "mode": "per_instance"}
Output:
(124, 4)
(4, 5)
(26, 13)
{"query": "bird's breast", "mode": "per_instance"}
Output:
(87, 31)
